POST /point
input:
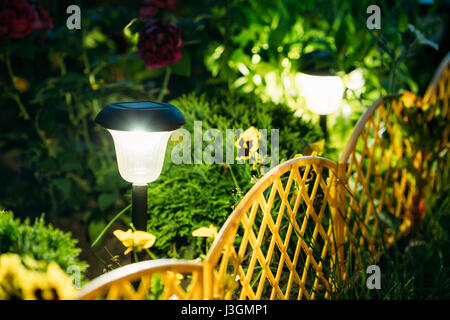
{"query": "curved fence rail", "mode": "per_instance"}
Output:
(155, 279)
(304, 227)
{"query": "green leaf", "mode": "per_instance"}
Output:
(109, 225)
(105, 200)
(277, 36)
(134, 26)
(183, 67)
(403, 22)
(422, 39)
(63, 185)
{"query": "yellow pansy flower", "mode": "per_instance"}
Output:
(248, 144)
(317, 147)
(11, 273)
(410, 99)
(52, 285)
(405, 226)
(36, 287)
(417, 160)
(95, 86)
(226, 287)
(135, 240)
(3, 295)
(207, 232)
(30, 263)
(21, 84)
(60, 282)
(17, 281)
(125, 237)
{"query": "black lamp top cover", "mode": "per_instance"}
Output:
(140, 115)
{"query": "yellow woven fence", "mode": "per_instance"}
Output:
(310, 223)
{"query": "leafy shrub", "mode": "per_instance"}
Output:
(188, 196)
(39, 241)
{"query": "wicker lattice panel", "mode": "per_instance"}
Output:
(282, 247)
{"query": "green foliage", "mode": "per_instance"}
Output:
(49, 143)
(188, 196)
(40, 241)
(425, 131)
(264, 39)
(416, 267)
(262, 46)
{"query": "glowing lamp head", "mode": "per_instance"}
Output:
(140, 131)
(322, 93)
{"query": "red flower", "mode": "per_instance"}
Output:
(147, 12)
(16, 18)
(151, 7)
(160, 44)
(43, 20)
(169, 4)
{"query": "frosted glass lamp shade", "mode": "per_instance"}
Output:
(140, 131)
(322, 94)
(140, 154)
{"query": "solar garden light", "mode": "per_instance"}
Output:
(140, 131)
(323, 94)
(321, 88)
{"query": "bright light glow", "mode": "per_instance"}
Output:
(346, 110)
(256, 58)
(286, 82)
(323, 94)
(355, 80)
(218, 52)
(294, 52)
(140, 154)
(273, 90)
(257, 79)
(243, 69)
